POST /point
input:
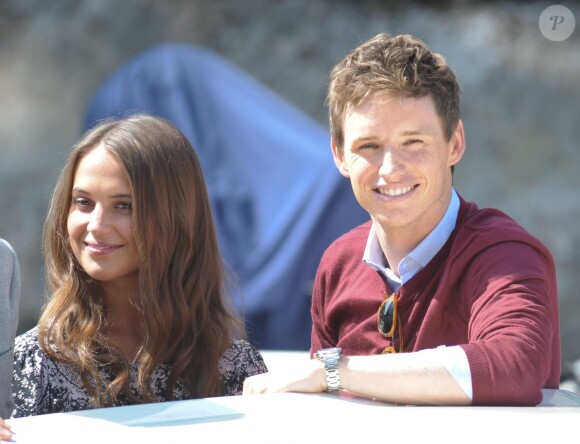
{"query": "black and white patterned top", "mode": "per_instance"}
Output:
(42, 385)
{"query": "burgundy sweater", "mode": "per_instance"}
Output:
(491, 289)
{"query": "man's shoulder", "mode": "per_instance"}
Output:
(6, 248)
(474, 218)
(349, 246)
(481, 228)
(8, 259)
(354, 237)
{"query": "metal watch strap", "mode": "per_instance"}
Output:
(330, 357)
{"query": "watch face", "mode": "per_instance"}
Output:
(328, 352)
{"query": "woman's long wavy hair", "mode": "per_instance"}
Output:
(188, 321)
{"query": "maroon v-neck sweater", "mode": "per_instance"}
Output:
(490, 289)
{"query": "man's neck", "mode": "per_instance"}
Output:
(398, 242)
(395, 247)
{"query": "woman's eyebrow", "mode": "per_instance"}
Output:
(113, 196)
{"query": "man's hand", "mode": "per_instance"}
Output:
(309, 377)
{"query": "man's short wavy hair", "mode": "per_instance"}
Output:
(400, 65)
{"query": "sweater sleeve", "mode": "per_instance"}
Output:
(321, 335)
(513, 329)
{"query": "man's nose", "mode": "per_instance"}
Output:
(391, 163)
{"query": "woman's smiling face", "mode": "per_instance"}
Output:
(99, 222)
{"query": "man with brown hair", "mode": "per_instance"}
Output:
(434, 300)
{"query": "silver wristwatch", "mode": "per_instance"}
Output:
(330, 357)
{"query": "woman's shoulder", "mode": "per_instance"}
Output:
(28, 355)
(27, 344)
(27, 379)
(30, 361)
(41, 384)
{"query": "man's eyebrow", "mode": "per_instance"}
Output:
(417, 132)
(408, 133)
(363, 139)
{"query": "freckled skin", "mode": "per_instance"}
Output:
(100, 223)
(397, 145)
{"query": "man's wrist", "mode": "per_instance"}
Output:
(330, 357)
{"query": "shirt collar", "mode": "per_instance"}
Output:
(418, 258)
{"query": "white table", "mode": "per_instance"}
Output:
(302, 418)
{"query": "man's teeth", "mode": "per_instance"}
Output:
(395, 191)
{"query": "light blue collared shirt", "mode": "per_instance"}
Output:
(418, 258)
(453, 358)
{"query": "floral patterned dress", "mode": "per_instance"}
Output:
(42, 385)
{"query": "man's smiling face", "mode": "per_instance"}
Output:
(399, 161)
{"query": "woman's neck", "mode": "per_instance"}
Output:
(124, 328)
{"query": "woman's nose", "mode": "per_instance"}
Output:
(98, 219)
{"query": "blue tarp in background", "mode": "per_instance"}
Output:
(277, 197)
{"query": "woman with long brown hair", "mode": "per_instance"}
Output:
(138, 310)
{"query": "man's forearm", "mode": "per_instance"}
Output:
(404, 378)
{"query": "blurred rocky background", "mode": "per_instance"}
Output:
(521, 97)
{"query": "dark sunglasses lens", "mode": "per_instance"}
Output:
(386, 316)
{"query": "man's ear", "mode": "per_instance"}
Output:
(457, 144)
(338, 156)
